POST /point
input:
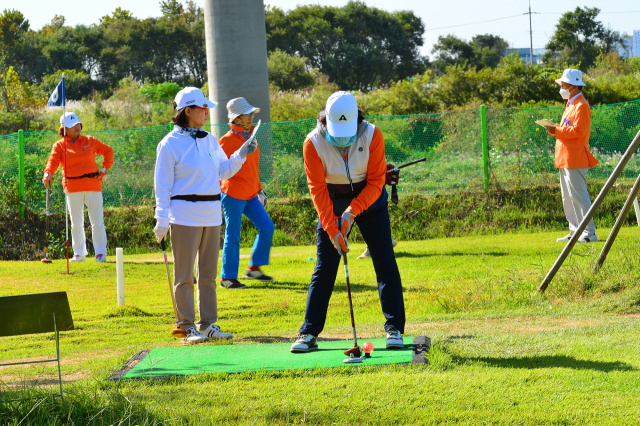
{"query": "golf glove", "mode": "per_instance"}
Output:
(340, 243)
(249, 147)
(103, 174)
(346, 222)
(262, 197)
(46, 179)
(161, 232)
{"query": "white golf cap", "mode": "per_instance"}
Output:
(192, 96)
(70, 119)
(239, 106)
(342, 114)
(571, 76)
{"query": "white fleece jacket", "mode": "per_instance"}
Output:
(185, 166)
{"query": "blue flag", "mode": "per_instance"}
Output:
(57, 98)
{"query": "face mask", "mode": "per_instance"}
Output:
(341, 141)
(565, 93)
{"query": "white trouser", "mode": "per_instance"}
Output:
(93, 201)
(575, 199)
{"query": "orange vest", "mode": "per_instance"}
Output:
(572, 137)
(245, 184)
(81, 160)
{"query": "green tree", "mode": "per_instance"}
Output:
(484, 51)
(356, 46)
(579, 39)
(288, 72)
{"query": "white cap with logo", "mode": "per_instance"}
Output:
(239, 106)
(571, 76)
(70, 119)
(342, 114)
(192, 96)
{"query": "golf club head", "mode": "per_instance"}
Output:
(355, 351)
(179, 333)
(46, 260)
(352, 360)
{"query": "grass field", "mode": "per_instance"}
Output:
(502, 353)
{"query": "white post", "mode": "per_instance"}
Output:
(636, 207)
(120, 275)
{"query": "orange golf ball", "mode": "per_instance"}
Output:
(367, 347)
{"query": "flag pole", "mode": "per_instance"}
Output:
(66, 203)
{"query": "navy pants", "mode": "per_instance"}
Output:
(376, 231)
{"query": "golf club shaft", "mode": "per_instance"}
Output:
(411, 163)
(46, 234)
(353, 321)
(166, 264)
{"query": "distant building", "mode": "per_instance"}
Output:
(635, 43)
(525, 54)
(626, 50)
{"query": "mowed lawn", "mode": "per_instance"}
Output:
(502, 353)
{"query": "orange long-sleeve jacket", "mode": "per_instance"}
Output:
(245, 184)
(376, 169)
(81, 160)
(572, 137)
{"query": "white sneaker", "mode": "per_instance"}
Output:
(394, 242)
(564, 239)
(77, 258)
(394, 339)
(194, 336)
(367, 254)
(101, 258)
(214, 332)
(305, 343)
(590, 239)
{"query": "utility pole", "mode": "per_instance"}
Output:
(531, 31)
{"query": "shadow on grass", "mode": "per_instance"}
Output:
(551, 361)
(452, 254)
(281, 339)
(340, 286)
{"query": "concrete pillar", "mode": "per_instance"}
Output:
(236, 41)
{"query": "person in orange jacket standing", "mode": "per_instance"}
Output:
(572, 156)
(243, 194)
(344, 158)
(82, 180)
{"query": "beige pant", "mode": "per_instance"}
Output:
(191, 243)
(575, 199)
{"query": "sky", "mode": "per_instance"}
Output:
(464, 18)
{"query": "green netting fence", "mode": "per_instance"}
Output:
(519, 154)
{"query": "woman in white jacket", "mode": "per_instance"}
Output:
(189, 166)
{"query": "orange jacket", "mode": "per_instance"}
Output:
(376, 173)
(81, 160)
(572, 137)
(245, 184)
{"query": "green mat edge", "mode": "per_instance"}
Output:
(421, 346)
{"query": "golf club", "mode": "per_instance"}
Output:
(408, 164)
(354, 353)
(46, 234)
(176, 332)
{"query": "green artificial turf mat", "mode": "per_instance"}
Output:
(195, 359)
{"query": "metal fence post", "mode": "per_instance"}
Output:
(21, 172)
(485, 146)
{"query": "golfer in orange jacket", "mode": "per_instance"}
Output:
(572, 157)
(82, 180)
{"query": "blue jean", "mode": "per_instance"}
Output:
(375, 228)
(255, 212)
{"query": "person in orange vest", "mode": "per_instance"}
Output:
(572, 156)
(344, 158)
(242, 194)
(82, 180)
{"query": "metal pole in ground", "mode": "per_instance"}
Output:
(633, 195)
(598, 201)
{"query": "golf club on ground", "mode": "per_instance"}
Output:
(46, 234)
(176, 332)
(354, 353)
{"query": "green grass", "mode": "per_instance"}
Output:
(502, 353)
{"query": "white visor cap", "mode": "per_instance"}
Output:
(70, 119)
(571, 76)
(192, 96)
(239, 106)
(342, 114)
